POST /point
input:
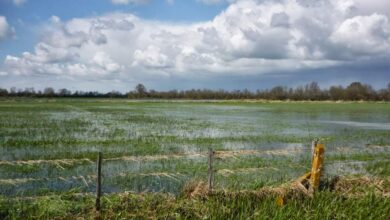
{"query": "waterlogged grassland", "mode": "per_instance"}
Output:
(50, 145)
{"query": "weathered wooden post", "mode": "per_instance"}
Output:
(310, 182)
(317, 166)
(313, 146)
(211, 171)
(99, 181)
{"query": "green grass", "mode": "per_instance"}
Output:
(324, 205)
(380, 168)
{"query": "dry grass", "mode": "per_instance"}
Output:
(228, 172)
(218, 154)
(59, 162)
(195, 189)
(358, 186)
(345, 186)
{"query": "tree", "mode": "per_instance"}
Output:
(3, 92)
(49, 92)
(337, 93)
(299, 93)
(29, 91)
(312, 91)
(278, 93)
(141, 90)
(357, 91)
(384, 94)
(114, 94)
(64, 92)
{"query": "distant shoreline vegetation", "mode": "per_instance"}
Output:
(310, 92)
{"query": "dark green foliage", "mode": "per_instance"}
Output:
(311, 91)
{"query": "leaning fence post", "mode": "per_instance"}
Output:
(99, 181)
(211, 171)
(313, 146)
(317, 166)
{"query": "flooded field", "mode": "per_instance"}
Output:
(50, 146)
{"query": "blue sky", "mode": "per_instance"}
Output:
(170, 44)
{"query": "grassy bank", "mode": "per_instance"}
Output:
(353, 198)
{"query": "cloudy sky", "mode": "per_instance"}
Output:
(181, 44)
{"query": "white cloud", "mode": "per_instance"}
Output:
(46, 53)
(151, 57)
(104, 61)
(249, 37)
(126, 2)
(364, 35)
(5, 30)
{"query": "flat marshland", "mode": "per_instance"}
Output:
(153, 150)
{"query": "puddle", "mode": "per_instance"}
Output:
(344, 168)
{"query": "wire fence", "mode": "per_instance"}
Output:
(155, 173)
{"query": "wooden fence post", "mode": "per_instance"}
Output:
(313, 146)
(99, 181)
(211, 171)
(317, 166)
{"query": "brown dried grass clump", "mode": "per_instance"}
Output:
(359, 186)
(290, 190)
(195, 189)
(199, 190)
(345, 186)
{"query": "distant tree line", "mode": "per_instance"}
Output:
(311, 91)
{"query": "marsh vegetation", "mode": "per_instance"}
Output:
(49, 147)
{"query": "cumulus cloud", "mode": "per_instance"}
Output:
(248, 38)
(151, 57)
(363, 35)
(5, 29)
(104, 61)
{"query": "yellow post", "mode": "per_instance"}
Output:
(316, 169)
(311, 180)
